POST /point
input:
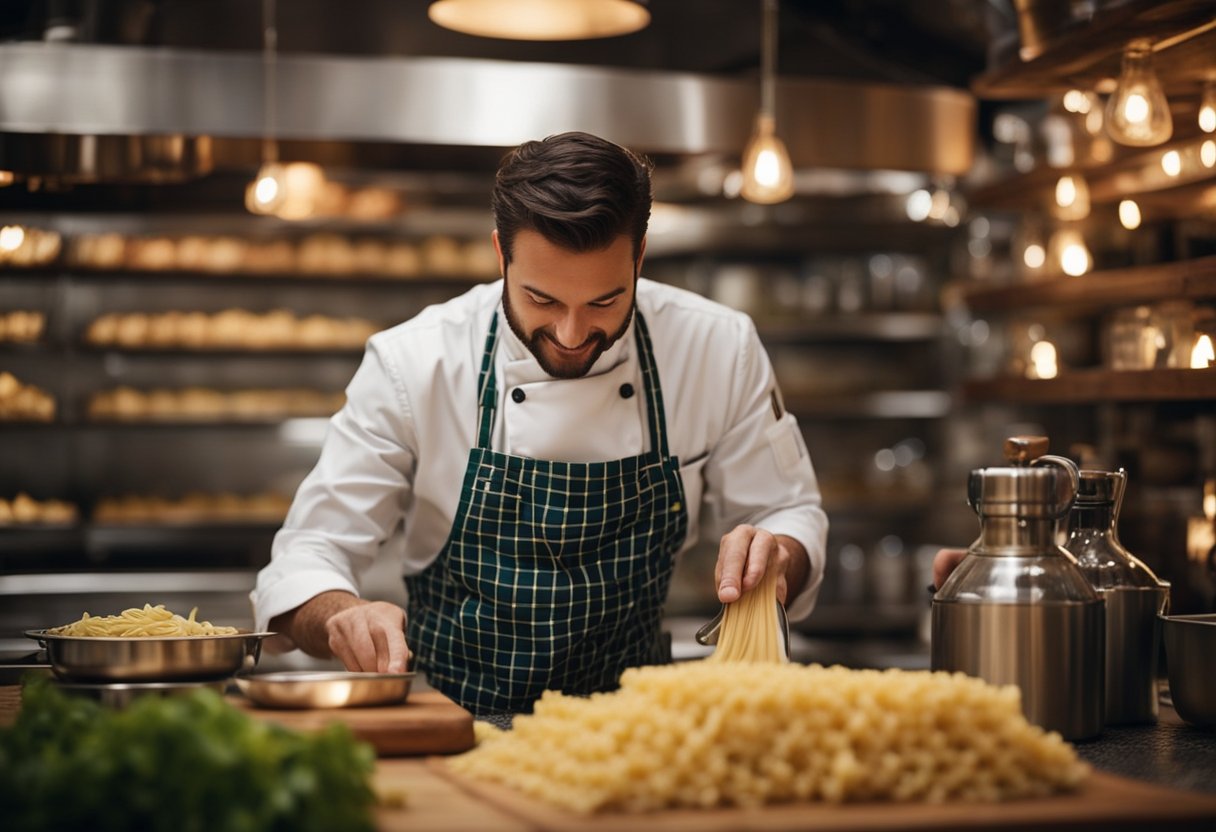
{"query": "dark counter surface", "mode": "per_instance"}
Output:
(1170, 753)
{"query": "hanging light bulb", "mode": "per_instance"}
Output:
(1072, 197)
(1137, 113)
(1202, 355)
(541, 19)
(768, 176)
(1070, 252)
(1129, 214)
(1207, 107)
(1171, 162)
(1207, 153)
(268, 190)
(265, 194)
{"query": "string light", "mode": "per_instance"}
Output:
(1171, 163)
(1137, 112)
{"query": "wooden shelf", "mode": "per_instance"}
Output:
(1185, 279)
(870, 326)
(1133, 172)
(884, 404)
(1097, 386)
(1088, 52)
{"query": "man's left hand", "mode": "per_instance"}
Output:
(746, 553)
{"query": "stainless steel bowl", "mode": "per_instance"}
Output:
(122, 694)
(149, 659)
(324, 689)
(1190, 644)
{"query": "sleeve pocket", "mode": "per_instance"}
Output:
(784, 441)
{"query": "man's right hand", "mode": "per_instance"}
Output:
(363, 635)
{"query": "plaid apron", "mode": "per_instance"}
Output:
(555, 574)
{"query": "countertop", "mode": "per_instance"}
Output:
(1169, 753)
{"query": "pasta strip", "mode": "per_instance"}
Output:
(751, 630)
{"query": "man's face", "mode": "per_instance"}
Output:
(568, 307)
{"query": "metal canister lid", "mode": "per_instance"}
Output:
(1036, 492)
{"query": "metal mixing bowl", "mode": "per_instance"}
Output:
(324, 689)
(1190, 645)
(149, 659)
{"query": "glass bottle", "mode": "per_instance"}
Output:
(1134, 595)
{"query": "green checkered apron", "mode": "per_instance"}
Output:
(555, 573)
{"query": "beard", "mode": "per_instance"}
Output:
(549, 353)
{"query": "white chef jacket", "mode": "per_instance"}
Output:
(388, 480)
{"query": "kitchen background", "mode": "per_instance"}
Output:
(968, 254)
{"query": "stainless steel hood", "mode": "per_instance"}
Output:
(70, 89)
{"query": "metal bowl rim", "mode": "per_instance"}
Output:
(286, 677)
(1206, 619)
(43, 635)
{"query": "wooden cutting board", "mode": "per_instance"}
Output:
(427, 723)
(1104, 802)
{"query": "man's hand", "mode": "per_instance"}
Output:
(363, 635)
(746, 553)
(944, 563)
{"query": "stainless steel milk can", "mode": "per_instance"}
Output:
(1018, 610)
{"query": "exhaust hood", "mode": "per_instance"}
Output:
(86, 112)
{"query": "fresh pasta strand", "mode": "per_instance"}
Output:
(751, 630)
(142, 623)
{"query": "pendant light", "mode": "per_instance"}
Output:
(541, 19)
(1137, 113)
(768, 176)
(268, 190)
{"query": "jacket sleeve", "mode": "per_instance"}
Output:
(760, 472)
(351, 501)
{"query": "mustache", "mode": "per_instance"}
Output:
(596, 337)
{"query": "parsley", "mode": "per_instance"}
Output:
(183, 763)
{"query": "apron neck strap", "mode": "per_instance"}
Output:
(487, 388)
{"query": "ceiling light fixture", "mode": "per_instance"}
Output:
(541, 19)
(768, 176)
(1137, 113)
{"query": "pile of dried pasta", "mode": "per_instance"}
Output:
(746, 728)
(699, 734)
(135, 622)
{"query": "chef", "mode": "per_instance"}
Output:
(538, 452)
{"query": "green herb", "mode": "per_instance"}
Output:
(180, 763)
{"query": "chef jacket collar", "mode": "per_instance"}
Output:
(526, 370)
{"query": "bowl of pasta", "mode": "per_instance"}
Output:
(147, 645)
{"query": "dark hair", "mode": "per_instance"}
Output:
(576, 190)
